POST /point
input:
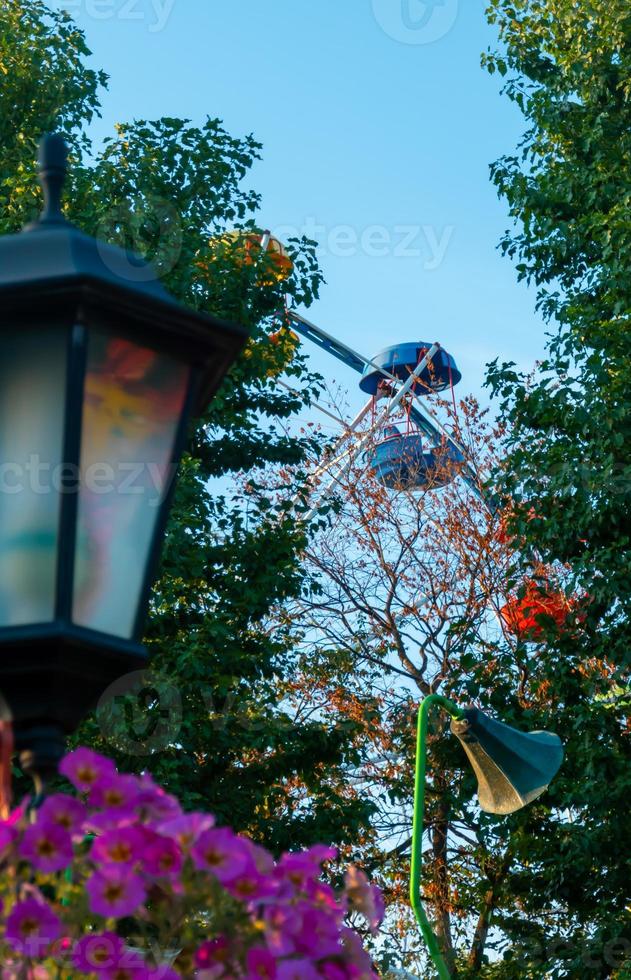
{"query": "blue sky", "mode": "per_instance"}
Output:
(378, 126)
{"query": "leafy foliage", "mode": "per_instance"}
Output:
(568, 67)
(174, 191)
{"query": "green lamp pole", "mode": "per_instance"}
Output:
(513, 769)
(417, 831)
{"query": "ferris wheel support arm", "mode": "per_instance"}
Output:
(394, 402)
(328, 343)
(342, 351)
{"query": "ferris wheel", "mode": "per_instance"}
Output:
(405, 444)
(398, 432)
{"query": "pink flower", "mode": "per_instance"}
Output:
(154, 803)
(31, 927)
(115, 792)
(319, 936)
(261, 965)
(222, 853)
(128, 966)
(8, 835)
(47, 846)
(18, 815)
(323, 897)
(356, 953)
(249, 884)
(187, 828)
(15, 971)
(282, 923)
(297, 970)
(364, 897)
(162, 857)
(98, 952)
(122, 847)
(333, 971)
(64, 811)
(85, 768)
(304, 867)
(213, 958)
(114, 893)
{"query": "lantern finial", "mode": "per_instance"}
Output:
(53, 157)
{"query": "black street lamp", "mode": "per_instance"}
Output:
(100, 370)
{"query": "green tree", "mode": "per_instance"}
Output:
(173, 190)
(568, 68)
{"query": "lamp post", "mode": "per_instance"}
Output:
(513, 769)
(100, 371)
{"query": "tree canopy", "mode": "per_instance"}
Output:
(211, 724)
(568, 68)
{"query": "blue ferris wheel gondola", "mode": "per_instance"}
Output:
(405, 462)
(401, 360)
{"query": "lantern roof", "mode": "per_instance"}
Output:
(51, 258)
(47, 254)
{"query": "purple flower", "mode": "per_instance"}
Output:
(261, 965)
(323, 897)
(249, 885)
(222, 853)
(155, 803)
(282, 923)
(333, 971)
(98, 952)
(85, 769)
(187, 828)
(47, 846)
(356, 953)
(65, 811)
(114, 893)
(138, 862)
(31, 927)
(162, 857)
(122, 847)
(297, 970)
(319, 936)
(115, 792)
(128, 966)
(306, 866)
(8, 835)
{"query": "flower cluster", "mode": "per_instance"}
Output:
(121, 884)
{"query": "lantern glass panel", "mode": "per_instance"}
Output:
(32, 408)
(133, 401)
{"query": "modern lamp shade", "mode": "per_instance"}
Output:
(100, 371)
(513, 768)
